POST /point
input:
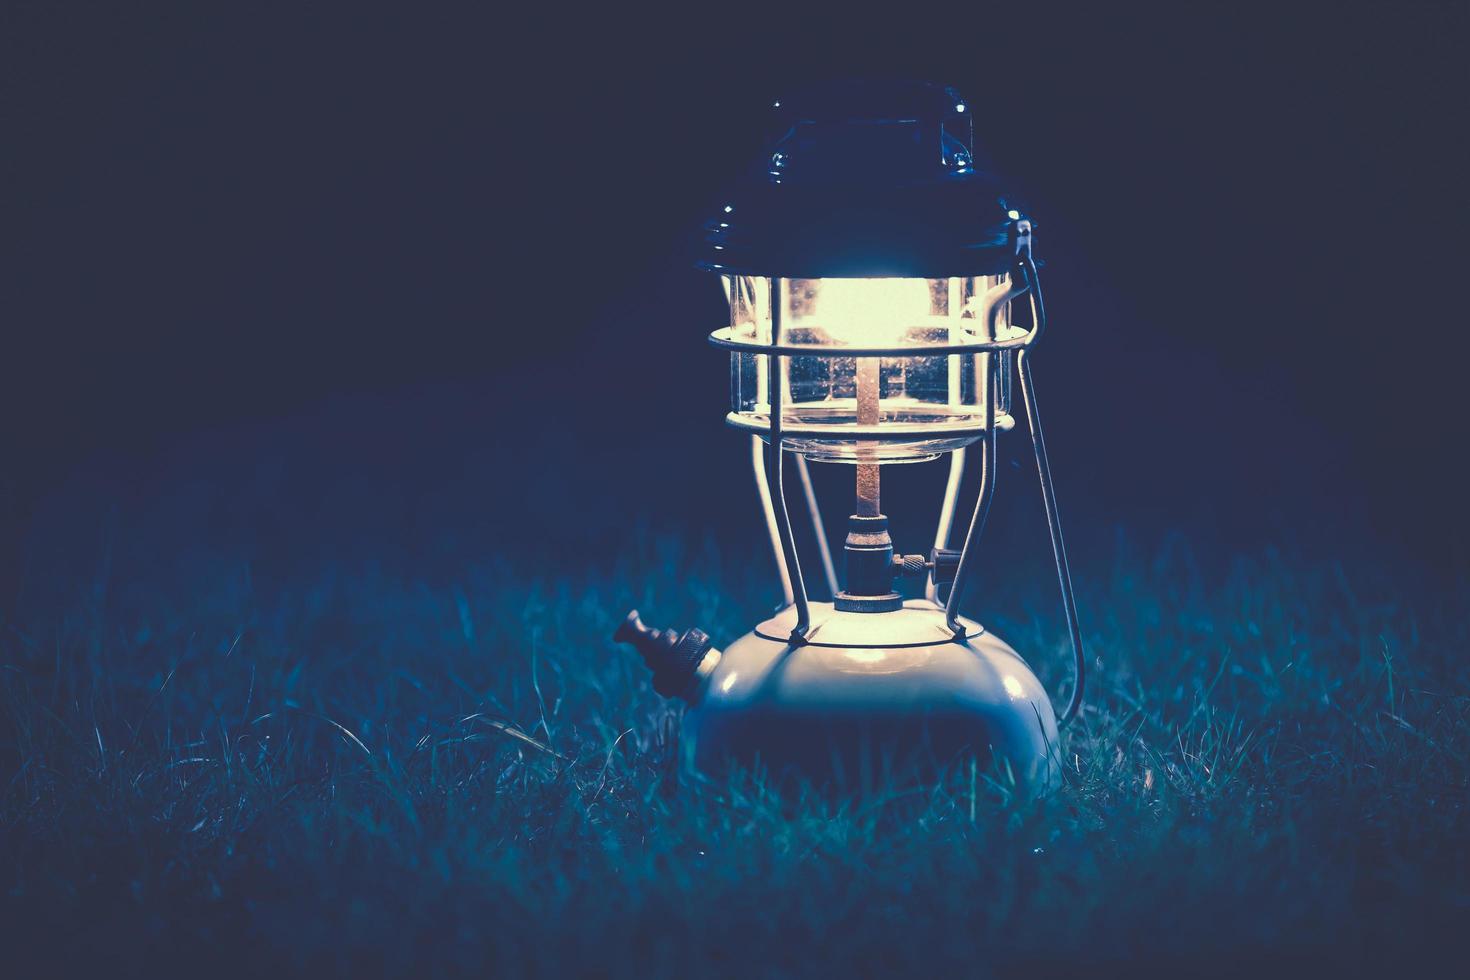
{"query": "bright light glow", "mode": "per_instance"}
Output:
(871, 311)
(729, 208)
(1013, 215)
(1013, 687)
(729, 681)
(867, 656)
(960, 107)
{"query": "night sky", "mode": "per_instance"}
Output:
(453, 235)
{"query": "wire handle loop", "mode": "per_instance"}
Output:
(1031, 287)
(1049, 496)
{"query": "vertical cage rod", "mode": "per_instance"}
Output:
(768, 510)
(982, 508)
(954, 312)
(946, 512)
(775, 457)
(824, 550)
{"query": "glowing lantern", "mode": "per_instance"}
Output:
(882, 297)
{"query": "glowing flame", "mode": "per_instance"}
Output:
(873, 312)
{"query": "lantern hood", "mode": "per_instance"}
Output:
(865, 179)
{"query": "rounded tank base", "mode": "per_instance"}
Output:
(846, 715)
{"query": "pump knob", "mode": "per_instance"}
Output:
(944, 562)
(910, 564)
(673, 657)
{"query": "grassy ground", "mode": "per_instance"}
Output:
(348, 770)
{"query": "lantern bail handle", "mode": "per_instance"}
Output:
(1054, 526)
(1026, 269)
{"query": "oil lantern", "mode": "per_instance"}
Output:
(884, 303)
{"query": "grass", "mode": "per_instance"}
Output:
(350, 770)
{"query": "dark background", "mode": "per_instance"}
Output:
(374, 271)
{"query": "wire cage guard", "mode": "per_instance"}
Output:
(770, 444)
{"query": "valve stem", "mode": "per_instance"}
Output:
(868, 382)
(677, 660)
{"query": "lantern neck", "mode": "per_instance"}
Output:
(870, 567)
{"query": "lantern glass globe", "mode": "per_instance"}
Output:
(927, 403)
